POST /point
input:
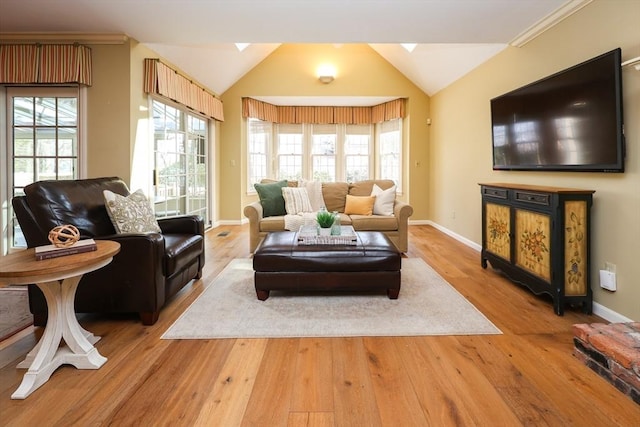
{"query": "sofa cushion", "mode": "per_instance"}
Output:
(296, 200)
(335, 195)
(364, 188)
(272, 223)
(132, 213)
(359, 205)
(385, 199)
(374, 223)
(271, 197)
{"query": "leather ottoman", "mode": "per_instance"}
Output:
(280, 263)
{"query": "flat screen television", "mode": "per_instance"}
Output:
(569, 121)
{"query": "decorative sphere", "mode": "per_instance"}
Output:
(64, 236)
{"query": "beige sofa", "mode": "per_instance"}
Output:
(334, 194)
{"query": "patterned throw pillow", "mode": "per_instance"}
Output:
(296, 200)
(131, 214)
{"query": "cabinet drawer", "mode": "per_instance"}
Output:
(535, 198)
(499, 193)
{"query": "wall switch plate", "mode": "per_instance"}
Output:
(607, 280)
(609, 266)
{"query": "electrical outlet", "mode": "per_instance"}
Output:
(610, 267)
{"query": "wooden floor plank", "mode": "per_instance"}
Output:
(396, 397)
(312, 387)
(354, 396)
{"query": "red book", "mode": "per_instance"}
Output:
(51, 251)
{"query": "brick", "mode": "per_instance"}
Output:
(626, 335)
(582, 331)
(612, 348)
(591, 353)
(626, 375)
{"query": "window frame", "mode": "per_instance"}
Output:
(79, 92)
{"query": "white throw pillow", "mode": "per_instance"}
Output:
(314, 190)
(296, 200)
(385, 200)
(131, 214)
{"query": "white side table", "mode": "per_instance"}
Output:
(58, 279)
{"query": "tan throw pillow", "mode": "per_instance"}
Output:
(385, 200)
(359, 205)
(296, 200)
(131, 214)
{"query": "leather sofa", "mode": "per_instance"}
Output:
(395, 226)
(149, 269)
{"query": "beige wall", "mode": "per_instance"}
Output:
(108, 113)
(291, 71)
(460, 155)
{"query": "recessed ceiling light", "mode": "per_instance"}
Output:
(242, 46)
(409, 46)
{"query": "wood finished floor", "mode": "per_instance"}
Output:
(527, 376)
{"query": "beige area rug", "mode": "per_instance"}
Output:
(428, 305)
(14, 310)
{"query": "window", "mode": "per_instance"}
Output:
(290, 151)
(357, 152)
(180, 147)
(43, 131)
(324, 141)
(258, 142)
(390, 150)
(323, 152)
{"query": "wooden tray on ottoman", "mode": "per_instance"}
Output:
(280, 263)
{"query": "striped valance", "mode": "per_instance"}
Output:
(45, 64)
(160, 79)
(322, 114)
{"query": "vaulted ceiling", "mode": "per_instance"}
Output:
(198, 36)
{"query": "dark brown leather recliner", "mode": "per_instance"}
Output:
(148, 270)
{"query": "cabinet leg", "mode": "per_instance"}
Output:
(483, 263)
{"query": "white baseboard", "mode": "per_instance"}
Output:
(608, 314)
(458, 237)
(598, 309)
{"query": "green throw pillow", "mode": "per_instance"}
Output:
(271, 198)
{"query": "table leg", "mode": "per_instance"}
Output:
(62, 324)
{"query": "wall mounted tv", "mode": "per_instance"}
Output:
(569, 121)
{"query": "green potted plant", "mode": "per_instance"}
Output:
(325, 220)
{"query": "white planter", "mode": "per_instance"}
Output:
(324, 231)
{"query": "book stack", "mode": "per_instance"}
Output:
(51, 251)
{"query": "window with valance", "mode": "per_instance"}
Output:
(255, 109)
(162, 80)
(45, 64)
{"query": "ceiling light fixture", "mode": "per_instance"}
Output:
(242, 46)
(409, 46)
(326, 73)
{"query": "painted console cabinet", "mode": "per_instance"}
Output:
(539, 237)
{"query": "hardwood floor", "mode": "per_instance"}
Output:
(526, 376)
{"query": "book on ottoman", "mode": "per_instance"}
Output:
(51, 251)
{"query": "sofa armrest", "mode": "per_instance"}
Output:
(402, 211)
(254, 213)
(183, 224)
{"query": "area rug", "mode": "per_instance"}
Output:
(14, 311)
(428, 305)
